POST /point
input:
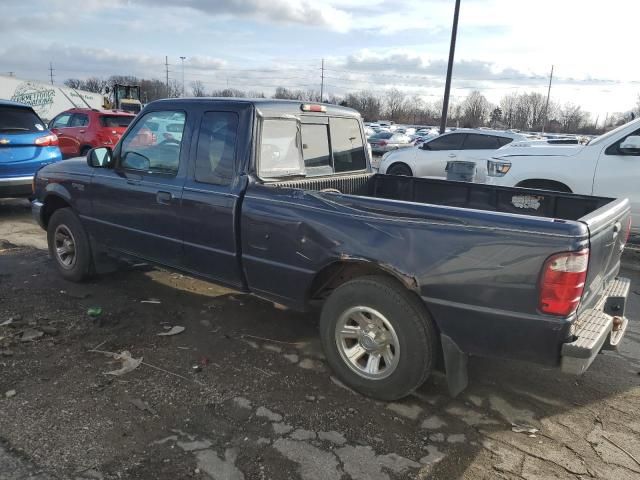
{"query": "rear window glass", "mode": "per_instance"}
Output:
(315, 148)
(347, 145)
(114, 121)
(290, 148)
(382, 136)
(17, 119)
(280, 154)
(504, 141)
(447, 142)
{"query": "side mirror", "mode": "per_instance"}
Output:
(100, 157)
(425, 146)
(631, 145)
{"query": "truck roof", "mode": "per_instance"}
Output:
(11, 103)
(267, 106)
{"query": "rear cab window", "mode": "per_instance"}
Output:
(19, 120)
(311, 147)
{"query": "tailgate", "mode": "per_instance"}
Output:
(608, 227)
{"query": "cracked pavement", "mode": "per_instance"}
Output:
(261, 402)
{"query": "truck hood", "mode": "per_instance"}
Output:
(524, 149)
(74, 165)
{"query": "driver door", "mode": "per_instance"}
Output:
(433, 156)
(135, 205)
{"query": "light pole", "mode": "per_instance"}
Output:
(447, 85)
(182, 58)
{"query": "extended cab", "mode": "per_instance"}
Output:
(276, 198)
(608, 165)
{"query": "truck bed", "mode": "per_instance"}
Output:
(540, 203)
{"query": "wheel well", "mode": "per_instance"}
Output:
(51, 204)
(338, 273)
(544, 184)
(85, 149)
(395, 164)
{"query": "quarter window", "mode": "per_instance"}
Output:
(315, 149)
(215, 156)
(154, 150)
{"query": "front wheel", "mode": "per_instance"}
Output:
(400, 169)
(378, 337)
(69, 245)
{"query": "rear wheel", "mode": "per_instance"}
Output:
(69, 245)
(378, 337)
(84, 151)
(400, 169)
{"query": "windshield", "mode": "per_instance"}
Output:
(19, 119)
(605, 136)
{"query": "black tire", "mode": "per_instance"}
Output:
(415, 331)
(400, 169)
(84, 151)
(65, 222)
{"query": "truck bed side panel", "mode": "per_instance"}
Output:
(458, 260)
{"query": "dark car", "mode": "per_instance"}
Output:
(276, 198)
(80, 129)
(25, 146)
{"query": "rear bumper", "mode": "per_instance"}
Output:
(598, 328)
(16, 186)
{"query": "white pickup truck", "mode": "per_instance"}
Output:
(608, 166)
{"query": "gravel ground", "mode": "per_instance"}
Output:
(244, 392)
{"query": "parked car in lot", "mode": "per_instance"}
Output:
(608, 165)
(276, 198)
(25, 146)
(383, 142)
(431, 157)
(80, 129)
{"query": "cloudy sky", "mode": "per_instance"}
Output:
(504, 46)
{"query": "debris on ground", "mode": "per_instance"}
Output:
(53, 331)
(10, 393)
(7, 322)
(128, 363)
(94, 312)
(175, 330)
(523, 429)
(154, 301)
(142, 405)
(6, 353)
(31, 334)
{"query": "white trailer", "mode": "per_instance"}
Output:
(46, 99)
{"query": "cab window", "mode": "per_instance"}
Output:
(347, 145)
(216, 151)
(143, 149)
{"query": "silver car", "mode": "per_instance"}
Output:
(384, 142)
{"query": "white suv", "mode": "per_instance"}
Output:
(430, 159)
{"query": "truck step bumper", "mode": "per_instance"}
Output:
(598, 328)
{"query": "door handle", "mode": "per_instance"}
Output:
(452, 155)
(133, 182)
(164, 198)
(82, 131)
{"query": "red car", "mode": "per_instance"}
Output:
(81, 129)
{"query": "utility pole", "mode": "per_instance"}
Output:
(322, 81)
(546, 106)
(452, 51)
(182, 58)
(166, 66)
(51, 75)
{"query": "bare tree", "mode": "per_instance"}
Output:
(475, 109)
(572, 117)
(73, 83)
(395, 103)
(198, 89)
(228, 92)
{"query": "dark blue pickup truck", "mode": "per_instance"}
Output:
(277, 198)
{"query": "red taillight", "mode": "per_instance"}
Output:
(47, 141)
(382, 143)
(562, 283)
